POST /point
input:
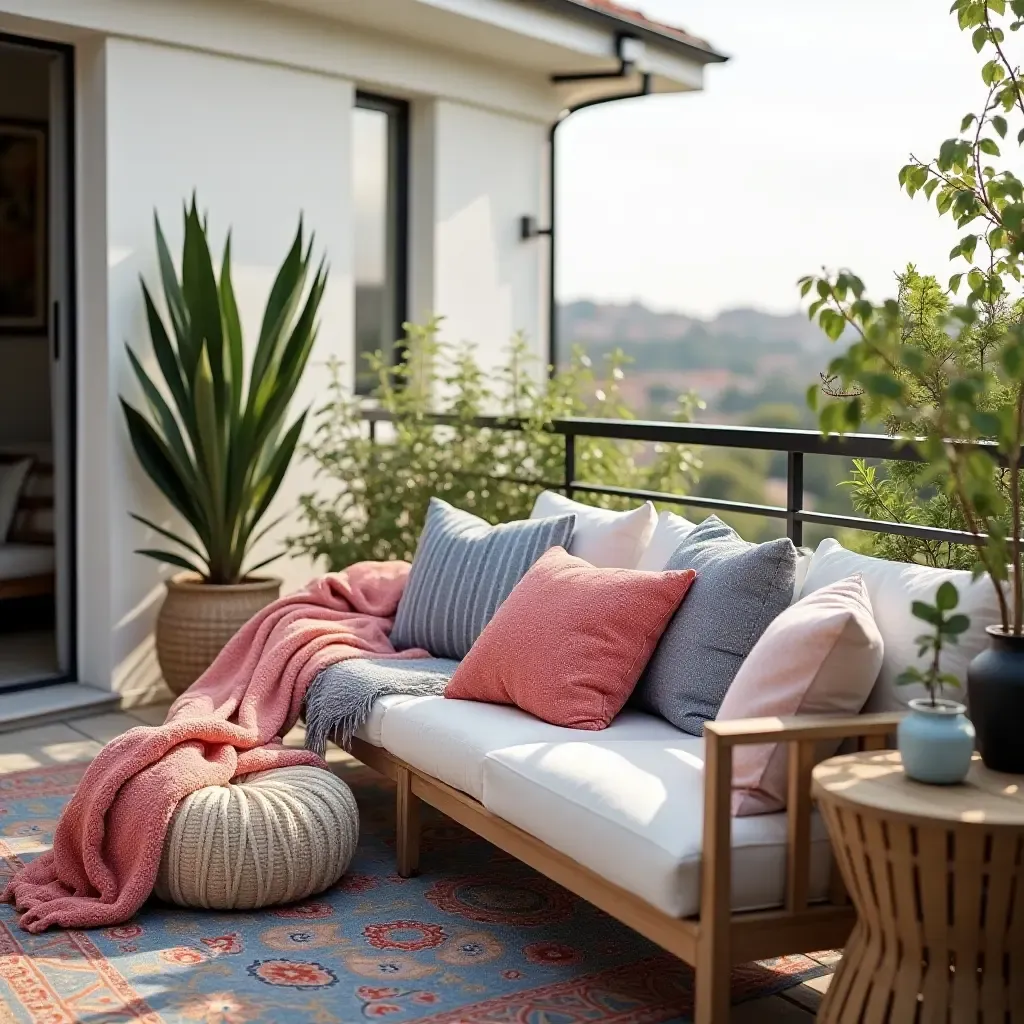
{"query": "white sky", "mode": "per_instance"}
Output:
(788, 160)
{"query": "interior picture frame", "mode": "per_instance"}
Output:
(24, 231)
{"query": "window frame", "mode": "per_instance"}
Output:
(397, 246)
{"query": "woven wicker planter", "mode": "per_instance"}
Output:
(197, 619)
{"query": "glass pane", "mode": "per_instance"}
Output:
(376, 298)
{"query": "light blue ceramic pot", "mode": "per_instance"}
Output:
(936, 742)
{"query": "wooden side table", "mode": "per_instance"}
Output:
(937, 876)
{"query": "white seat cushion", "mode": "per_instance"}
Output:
(632, 811)
(370, 730)
(19, 561)
(451, 739)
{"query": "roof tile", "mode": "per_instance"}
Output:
(631, 14)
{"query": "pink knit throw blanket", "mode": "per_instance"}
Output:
(108, 842)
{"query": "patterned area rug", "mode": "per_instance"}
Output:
(476, 939)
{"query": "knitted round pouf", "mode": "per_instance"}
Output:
(266, 838)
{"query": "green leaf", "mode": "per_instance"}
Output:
(170, 535)
(284, 299)
(166, 358)
(909, 677)
(172, 292)
(1013, 217)
(999, 123)
(954, 283)
(179, 453)
(988, 146)
(156, 460)
(946, 597)
(170, 558)
(199, 285)
(246, 573)
(833, 324)
(232, 332)
(956, 624)
(979, 39)
(992, 72)
(925, 612)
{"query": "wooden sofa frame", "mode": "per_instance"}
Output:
(718, 938)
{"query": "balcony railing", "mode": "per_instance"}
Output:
(795, 443)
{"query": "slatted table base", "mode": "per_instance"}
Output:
(940, 932)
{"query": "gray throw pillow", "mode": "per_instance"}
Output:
(462, 571)
(740, 587)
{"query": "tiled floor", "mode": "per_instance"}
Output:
(81, 738)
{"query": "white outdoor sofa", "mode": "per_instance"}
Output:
(636, 819)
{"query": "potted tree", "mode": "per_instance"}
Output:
(971, 420)
(216, 441)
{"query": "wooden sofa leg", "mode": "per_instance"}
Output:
(712, 1001)
(407, 833)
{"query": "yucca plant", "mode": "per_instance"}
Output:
(215, 444)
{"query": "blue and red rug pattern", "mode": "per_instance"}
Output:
(477, 938)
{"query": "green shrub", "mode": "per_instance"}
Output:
(371, 497)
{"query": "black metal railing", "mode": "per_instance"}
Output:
(795, 443)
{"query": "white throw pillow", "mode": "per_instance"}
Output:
(892, 586)
(606, 539)
(803, 563)
(668, 535)
(12, 480)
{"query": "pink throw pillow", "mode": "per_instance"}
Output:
(821, 656)
(569, 643)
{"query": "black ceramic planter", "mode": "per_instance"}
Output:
(995, 693)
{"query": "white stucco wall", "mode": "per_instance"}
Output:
(250, 105)
(260, 144)
(488, 171)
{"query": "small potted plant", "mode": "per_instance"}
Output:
(217, 445)
(936, 740)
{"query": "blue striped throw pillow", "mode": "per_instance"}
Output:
(462, 571)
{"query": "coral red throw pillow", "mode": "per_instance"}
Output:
(570, 641)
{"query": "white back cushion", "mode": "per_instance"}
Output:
(609, 540)
(892, 587)
(668, 535)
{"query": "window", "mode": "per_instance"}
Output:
(380, 175)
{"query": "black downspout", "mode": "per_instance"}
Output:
(550, 231)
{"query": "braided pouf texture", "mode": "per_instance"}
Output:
(266, 838)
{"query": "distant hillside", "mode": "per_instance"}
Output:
(691, 341)
(738, 362)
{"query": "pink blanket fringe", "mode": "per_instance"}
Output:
(108, 842)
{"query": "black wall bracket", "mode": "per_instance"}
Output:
(529, 227)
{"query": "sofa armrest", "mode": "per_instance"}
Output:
(800, 728)
(802, 734)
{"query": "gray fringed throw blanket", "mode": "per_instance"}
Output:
(339, 699)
